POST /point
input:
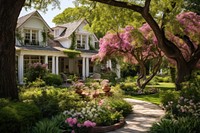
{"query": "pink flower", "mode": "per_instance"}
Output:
(79, 125)
(71, 121)
(89, 123)
(101, 102)
(72, 131)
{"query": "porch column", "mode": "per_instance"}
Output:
(87, 42)
(57, 67)
(46, 60)
(53, 64)
(118, 71)
(83, 68)
(20, 68)
(87, 67)
(109, 64)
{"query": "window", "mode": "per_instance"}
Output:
(78, 42)
(81, 41)
(27, 37)
(31, 37)
(34, 37)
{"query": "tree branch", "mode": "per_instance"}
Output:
(146, 6)
(187, 40)
(121, 4)
(195, 57)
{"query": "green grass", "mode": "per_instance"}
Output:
(163, 85)
(154, 98)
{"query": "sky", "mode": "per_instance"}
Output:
(50, 14)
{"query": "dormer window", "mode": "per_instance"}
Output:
(31, 37)
(81, 41)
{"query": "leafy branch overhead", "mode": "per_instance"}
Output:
(158, 14)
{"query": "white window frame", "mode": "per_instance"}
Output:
(81, 44)
(31, 31)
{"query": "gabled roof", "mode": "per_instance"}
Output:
(23, 19)
(69, 28)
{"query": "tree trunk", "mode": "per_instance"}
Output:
(183, 73)
(172, 73)
(9, 12)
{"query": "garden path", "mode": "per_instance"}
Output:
(143, 116)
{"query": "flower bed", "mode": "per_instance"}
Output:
(97, 116)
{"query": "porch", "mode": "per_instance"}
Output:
(81, 66)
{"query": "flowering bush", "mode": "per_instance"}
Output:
(36, 70)
(78, 85)
(104, 82)
(188, 104)
(76, 126)
(98, 112)
(184, 107)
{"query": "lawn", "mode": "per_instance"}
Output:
(154, 98)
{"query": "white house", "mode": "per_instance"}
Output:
(33, 45)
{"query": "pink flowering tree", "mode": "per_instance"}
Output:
(135, 46)
(185, 34)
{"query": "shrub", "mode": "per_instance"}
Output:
(110, 75)
(46, 100)
(182, 125)
(191, 90)
(36, 70)
(49, 125)
(18, 117)
(69, 100)
(53, 79)
(51, 100)
(168, 96)
(37, 83)
(129, 88)
(119, 105)
(3, 102)
(188, 104)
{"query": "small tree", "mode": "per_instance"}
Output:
(135, 46)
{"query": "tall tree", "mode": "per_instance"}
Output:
(151, 11)
(9, 12)
(101, 17)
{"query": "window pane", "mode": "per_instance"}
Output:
(78, 41)
(34, 37)
(84, 37)
(27, 37)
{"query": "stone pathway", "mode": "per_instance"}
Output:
(144, 115)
